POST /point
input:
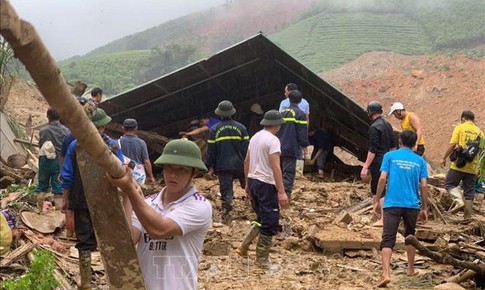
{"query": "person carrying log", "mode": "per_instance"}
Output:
(407, 173)
(169, 228)
(75, 199)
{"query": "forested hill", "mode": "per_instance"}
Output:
(216, 28)
(322, 34)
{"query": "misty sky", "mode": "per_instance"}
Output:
(75, 27)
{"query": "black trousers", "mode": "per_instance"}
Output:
(375, 173)
(288, 168)
(453, 179)
(392, 218)
(86, 239)
(264, 200)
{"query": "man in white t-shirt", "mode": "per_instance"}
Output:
(264, 186)
(170, 227)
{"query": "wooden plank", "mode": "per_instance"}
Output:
(109, 222)
(15, 254)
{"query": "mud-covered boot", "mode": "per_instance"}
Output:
(468, 210)
(262, 251)
(85, 269)
(457, 197)
(226, 217)
(250, 236)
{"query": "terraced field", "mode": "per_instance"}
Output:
(328, 40)
(107, 71)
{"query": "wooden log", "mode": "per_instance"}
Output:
(363, 204)
(6, 171)
(117, 250)
(365, 209)
(444, 259)
(436, 209)
(15, 254)
(30, 143)
(28, 47)
(462, 277)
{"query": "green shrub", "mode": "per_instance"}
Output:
(40, 275)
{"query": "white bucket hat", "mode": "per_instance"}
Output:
(396, 106)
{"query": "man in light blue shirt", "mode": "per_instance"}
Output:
(408, 173)
(303, 105)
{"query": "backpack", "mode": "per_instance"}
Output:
(471, 150)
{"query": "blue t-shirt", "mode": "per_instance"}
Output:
(212, 122)
(405, 169)
(303, 105)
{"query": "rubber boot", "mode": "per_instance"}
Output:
(226, 217)
(468, 210)
(457, 196)
(262, 251)
(85, 269)
(250, 236)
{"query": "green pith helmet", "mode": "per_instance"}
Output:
(100, 118)
(271, 118)
(225, 109)
(182, 152)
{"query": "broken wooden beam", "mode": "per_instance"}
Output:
(462, 276)
(444, 259)
(15, 254)
(7, 171)
(363, 204)
(30, 143)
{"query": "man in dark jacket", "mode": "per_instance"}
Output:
(293, 135)
(228, 143)
(381, 141)
(49, 169)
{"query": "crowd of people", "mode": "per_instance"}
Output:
(169, 228)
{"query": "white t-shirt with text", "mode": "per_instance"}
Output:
(172, 263)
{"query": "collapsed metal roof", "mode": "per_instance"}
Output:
(255, 70)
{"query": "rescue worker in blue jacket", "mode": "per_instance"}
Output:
(293, 136)
(227, 145)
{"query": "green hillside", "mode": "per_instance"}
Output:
(328, 40)
(326, 35)
(113, 72)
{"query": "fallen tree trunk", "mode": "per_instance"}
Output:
(444, 259)
(462, 277)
